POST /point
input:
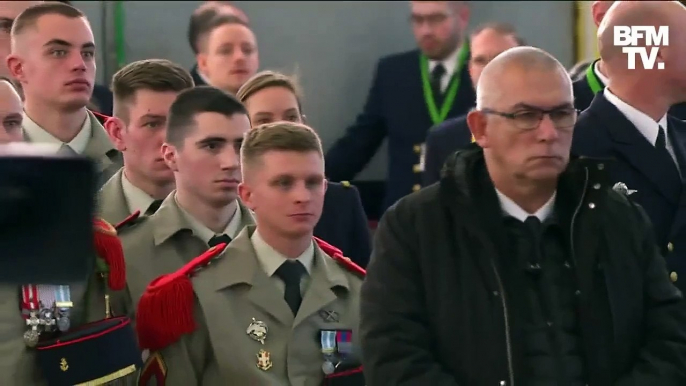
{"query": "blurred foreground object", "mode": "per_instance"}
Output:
(46, 214)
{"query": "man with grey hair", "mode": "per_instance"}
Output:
(631, 121)
(522, 266)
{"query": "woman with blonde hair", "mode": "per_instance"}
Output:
(271, 96)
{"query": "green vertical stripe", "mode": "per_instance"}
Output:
(119, 36)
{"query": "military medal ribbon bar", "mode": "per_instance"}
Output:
(63, 304)
(344, 342)
(30, 310)
(328, 348)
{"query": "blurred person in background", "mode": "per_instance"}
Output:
(228, 54)
(486, 42)
(410, 92)
(9, 10)
(53, 58)
(199, 20)
(144, 90)
(11, 110)
(271, 96)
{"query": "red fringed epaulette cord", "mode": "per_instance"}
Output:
(101, 117)
(337, 255)
(108, 247)
(165, 311)
(127, 220)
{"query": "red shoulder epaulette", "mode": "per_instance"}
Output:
(337, 255)
(132, 217)
(165, 311)
(108, 247)
(102, 118)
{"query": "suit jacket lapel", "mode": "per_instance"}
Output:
(635, 149)
(677, 136)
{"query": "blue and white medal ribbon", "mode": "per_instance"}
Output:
(328, 343)
(63, 304)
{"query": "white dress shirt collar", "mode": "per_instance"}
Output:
(450, 65)
(270, 259)
(511, 208)
(200, 230)
(135, 197)
(602, 78)
(38, 134)
(645, 124)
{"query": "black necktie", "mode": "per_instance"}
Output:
(661, 141)
(218, 239)
(153, 207)
(536, 228)
(436, 76)
(291, 272)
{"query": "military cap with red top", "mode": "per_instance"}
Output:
(165, 311)
(99, 353)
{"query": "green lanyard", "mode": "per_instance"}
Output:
(592, 79)
(437, 117)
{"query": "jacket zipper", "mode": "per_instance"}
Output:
(576, 212)
(508, 342)
(510, 367)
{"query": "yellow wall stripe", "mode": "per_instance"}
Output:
(585, 40)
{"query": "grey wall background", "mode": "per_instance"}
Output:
(332, 45)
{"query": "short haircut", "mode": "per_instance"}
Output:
(158, 75)
(504, 29)
(191, 102)
(199, 19)
(268, 79)
(204, 30)
(29, 18)
(278, 136)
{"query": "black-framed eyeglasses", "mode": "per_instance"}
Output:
(563, 118)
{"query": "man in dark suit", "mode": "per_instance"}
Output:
(486, 42)
(628, 121)
(411, 91)
(595, 77)
(200, 18)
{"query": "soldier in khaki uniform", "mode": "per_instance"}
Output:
(143, 92)
(275, 307)
(205, 130)
(53, 58)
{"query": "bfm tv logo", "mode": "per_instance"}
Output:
(627, 37)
